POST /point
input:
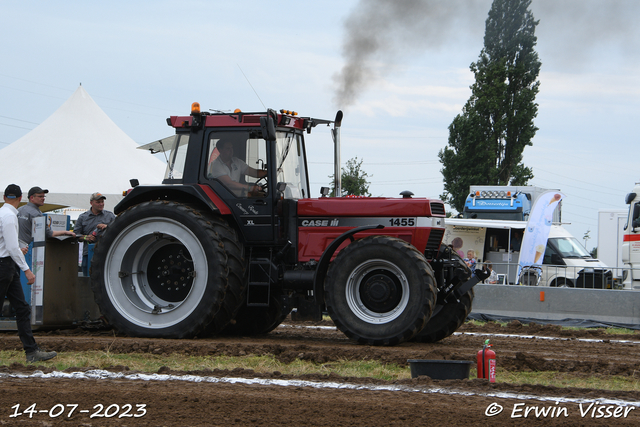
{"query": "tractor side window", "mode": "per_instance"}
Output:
(176, 162)
(238, 161)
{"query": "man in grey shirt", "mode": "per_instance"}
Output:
(90, 225)
(31, 210)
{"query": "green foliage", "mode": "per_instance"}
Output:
(486, 141)
(354, 180)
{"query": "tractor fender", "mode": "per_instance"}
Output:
(199, 194)
(325, 259)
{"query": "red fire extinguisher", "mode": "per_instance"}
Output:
(487, 363)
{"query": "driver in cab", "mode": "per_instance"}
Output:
(229, 169)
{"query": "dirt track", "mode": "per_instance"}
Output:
(420, 401)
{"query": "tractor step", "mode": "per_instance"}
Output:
(261, 272)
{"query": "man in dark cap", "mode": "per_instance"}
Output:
(90, 225)
(31, 210)
(11, 261)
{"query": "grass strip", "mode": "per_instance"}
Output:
(177, 362)
(151, 363)
(611, 330)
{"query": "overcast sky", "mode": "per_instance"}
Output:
(143, 61)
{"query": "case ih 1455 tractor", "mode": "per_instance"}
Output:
(202, 254)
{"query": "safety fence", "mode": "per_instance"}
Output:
(569, 276)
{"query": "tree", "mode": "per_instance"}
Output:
(486, 141)
(354, 179)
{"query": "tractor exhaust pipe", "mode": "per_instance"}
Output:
(337, 190)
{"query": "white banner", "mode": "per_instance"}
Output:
(536, 234)
(37, 289)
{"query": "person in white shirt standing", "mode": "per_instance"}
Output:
(11, 261)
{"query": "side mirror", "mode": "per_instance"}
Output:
(635, 217)
(268, 126)
(324, 191)
(629, 198)
(280, 187)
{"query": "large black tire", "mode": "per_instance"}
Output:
(446, 319)
(236, 276)
(253, 320)
(380, 291)
(162, 269)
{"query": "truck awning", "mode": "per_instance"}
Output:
(486, 223)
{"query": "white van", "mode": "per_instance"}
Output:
(566, 263)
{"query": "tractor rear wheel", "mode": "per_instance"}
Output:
(162, 269)
(380, 291)
(236, 276)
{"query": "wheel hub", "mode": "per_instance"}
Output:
(379, 292)
(170, 273)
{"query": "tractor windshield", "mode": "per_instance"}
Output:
(290, 160)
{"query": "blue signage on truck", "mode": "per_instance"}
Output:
(503, 202)
(494, 204)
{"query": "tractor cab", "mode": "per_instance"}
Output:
(249, 168)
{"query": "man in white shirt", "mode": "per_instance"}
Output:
(229, 169)
(12, 259)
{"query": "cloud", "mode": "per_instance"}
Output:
(572, 33)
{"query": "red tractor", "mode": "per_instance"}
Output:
(232, 242)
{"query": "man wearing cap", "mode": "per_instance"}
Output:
(90, 225)
(31, 210)
(12, 259)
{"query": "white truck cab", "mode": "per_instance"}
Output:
(631, 239)
(566, 263)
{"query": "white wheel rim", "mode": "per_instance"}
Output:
(133, 296)
(362, 275)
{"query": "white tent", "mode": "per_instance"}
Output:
(77, 151)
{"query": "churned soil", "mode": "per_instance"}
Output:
(278, 399)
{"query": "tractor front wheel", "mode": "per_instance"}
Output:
(380, 291)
